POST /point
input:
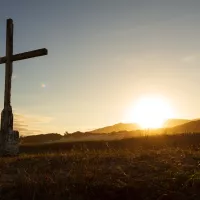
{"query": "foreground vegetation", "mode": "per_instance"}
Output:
(156, 167)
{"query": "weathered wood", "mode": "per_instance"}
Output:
(7, 115)
(9, 53)
(26, 55)
(8, 76)
(9, 139)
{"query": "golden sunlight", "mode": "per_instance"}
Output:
(150, 112)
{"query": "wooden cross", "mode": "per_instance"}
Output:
(8, 137)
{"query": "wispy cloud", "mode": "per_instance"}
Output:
(34, 118)
(30, 124)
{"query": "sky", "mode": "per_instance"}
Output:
(102, 56)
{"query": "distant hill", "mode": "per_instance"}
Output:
(190, 127)
(175, 122)
(117, 127)
(42, 138)
(133, 126)
(116, 131)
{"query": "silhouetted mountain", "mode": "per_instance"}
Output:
(190, 127)
(133, 126)
(117, 131)
(41, 138)
(174, 122)
(117, 128)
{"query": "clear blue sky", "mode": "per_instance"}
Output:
(103, 56)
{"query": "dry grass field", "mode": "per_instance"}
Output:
(154, 167)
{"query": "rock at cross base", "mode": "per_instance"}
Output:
(9, 139)
(10, 146)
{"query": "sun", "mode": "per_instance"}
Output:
(150, 112)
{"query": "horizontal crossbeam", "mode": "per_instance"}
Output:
(26, 55)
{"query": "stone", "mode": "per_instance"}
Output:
(10, 145)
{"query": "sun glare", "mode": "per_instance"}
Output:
(150, 112)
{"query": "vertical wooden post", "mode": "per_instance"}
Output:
(9, 144)
(9, 53)
(7, 116)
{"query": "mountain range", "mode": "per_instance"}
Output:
(189, 127)
(117, 127)
(119, 131)
(170, 123)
